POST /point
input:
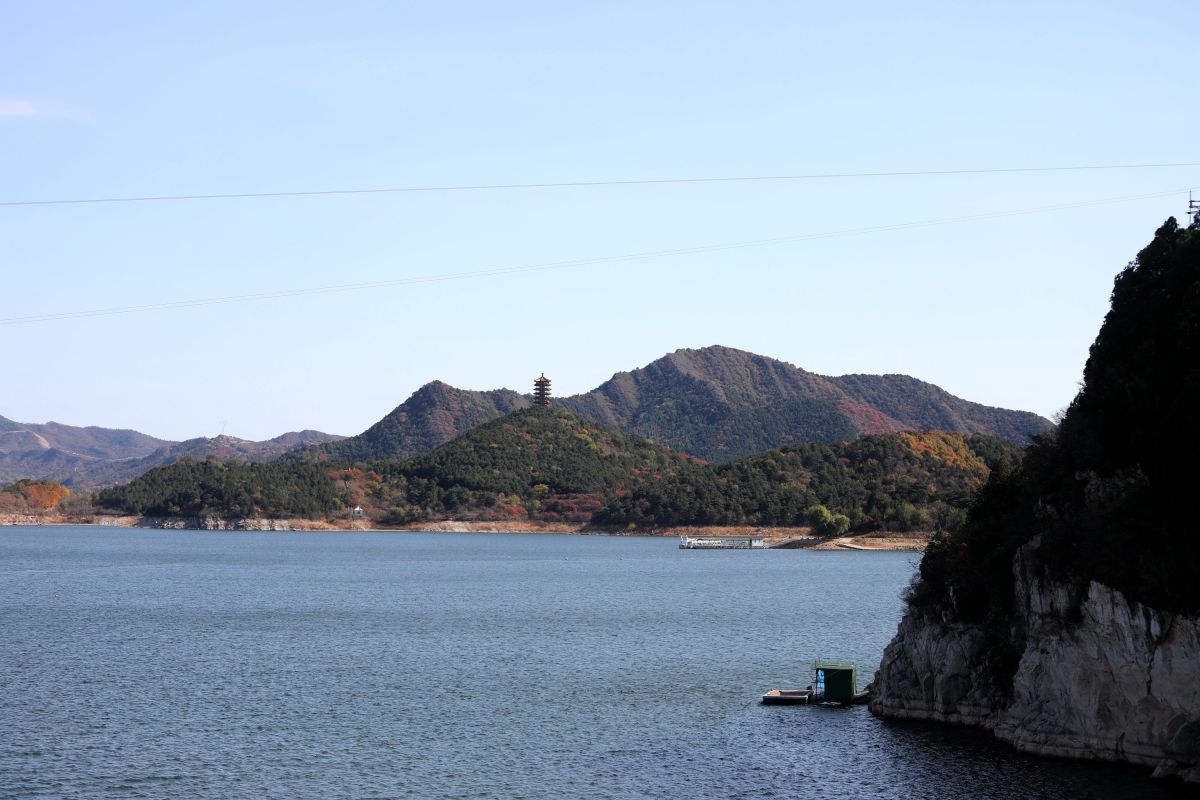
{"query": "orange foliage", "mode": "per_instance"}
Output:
(31, 495)
(949, 448)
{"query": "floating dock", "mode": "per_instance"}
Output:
(833, 684)
(787, 697)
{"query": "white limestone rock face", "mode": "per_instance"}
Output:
(1114, 680)
(935, 670)
(1099, 677)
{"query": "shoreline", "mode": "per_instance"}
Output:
(776, 537)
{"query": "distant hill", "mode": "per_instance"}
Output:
(90, 442)
(222, 447)
(717, 403)
(84, 458)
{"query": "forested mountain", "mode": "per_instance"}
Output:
(435, 414)
(716, 403)
(719, 403)
(923, 406)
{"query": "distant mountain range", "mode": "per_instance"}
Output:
(716, 403)
(87, 457)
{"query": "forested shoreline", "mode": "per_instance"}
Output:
(549, 466)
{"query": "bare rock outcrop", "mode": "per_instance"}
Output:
(1099, 676)
(214, 523)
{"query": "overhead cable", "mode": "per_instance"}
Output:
(549, 265)
(580, 184)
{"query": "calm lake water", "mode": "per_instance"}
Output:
(137, 663)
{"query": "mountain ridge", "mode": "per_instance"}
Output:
(86, 457)
(717, 403)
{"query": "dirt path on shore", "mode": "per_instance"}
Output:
(912, 541)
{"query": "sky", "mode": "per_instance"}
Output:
(995, 295)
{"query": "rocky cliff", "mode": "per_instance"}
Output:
(1099, 676)
(1064, 615)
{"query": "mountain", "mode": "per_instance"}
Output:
(719, 404)
(923, 406)
(87, 457)
(1064, 615)
(716, 403)
(435, 414)
(91, 442)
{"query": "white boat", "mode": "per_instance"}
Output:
(721, 542)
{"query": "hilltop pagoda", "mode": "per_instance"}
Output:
(541, 391)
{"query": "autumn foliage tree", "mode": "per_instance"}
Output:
(32, 496)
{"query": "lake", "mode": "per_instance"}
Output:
(189, 664)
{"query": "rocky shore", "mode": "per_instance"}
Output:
(1099, 677)
(793, 537)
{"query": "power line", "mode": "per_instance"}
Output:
(499, 271)
(579, 184)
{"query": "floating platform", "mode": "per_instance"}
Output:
(787, 697)
(835, 684)
(808, 697)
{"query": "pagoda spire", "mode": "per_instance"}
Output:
(541, 391)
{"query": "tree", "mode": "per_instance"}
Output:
(826, 523)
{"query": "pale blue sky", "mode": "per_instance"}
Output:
(127, 99)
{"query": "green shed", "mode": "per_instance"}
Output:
(835, 683)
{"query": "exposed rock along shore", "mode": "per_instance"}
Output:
(797, 537)
(1105, 678)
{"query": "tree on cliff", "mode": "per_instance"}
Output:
(1106, 491)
